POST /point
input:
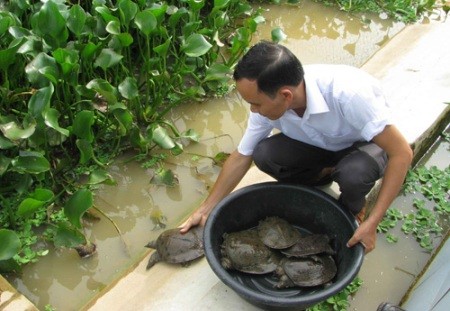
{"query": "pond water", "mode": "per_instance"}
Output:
(66, 282)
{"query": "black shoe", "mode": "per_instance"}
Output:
(386, 306)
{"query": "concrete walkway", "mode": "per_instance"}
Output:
(414, 69)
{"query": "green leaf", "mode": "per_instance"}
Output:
(82, 125)
(137, 140)
(129, 88)
(197, 5)
(125, 119)
(107, 59)
(278, 35)
(125, 39)
(42, 194)
(39, 103)
(52, 25)
(28, 206)
(100, 176)
(13, 131)
(176, 17)
(40, 68)
(113, 27)
(30, 162)
(218, 72)
(8, 56)
(160, 11)
(161, 137)
(162, 49)
(86, 151)
(192, 135)
(127, 10)
(106, 14)
(67, 58)
(5, 143)
(51, 120)
(220, 4)
(77, 205)
(178, 149)
(196, 45)
(105, 89)
(164, 177)
(9, 265)
(5, 22)
(9, 244)
(146, 22)
(76, 19)
(68, 237)
(4, 164)
(220, 158)
(88, 52)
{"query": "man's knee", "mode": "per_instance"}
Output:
(357, 170)
(260, 155)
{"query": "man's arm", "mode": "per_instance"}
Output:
(231, 174)
(399, 160)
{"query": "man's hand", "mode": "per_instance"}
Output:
(197, 218)
(366, 234)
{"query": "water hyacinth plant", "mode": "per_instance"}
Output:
(80, 83)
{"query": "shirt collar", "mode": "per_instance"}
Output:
(315, 103)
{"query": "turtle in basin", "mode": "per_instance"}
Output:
(306, 272)
(245, 252)
(277, 233)
(311, 244)
(174, 247)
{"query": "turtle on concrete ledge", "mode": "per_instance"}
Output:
(171, 246)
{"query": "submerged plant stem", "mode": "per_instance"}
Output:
(127, 249)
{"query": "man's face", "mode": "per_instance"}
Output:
(272, 108)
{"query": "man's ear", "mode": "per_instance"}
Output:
(286, 93)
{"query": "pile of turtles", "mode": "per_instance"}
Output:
(276, 246)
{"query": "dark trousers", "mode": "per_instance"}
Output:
(357, 168)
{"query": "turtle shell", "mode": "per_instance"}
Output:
(306, 272)
(174, 247)
(310, 245)
(277, 233)
(245, 252)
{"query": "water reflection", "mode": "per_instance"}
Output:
(320, 34)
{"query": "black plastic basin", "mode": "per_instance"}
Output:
(308, 209)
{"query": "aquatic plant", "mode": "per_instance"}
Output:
(82, 82)
(340, 301)
(431, 214)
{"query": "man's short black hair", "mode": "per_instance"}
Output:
(272, 65)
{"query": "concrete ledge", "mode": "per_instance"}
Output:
(414, 71)
(11, 300)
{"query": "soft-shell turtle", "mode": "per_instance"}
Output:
(306, 272)
(244, 251)
(173, 247)
(310, 245)
(277, 233)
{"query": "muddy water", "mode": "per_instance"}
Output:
(321, 34)
(316, 34)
